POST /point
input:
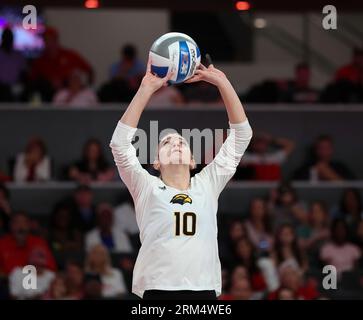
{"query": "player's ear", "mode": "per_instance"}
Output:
(156, 164)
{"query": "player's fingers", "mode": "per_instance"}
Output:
(148, 67)
(202, 66)
(193, 79)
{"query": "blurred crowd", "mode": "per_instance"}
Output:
(264, 160)
(63, 77)
(275, 250)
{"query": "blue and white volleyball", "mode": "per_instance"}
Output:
(175, 52)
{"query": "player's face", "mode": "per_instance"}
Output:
(173, 149)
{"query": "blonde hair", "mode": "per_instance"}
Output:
(105, 267)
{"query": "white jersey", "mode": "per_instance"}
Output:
(178, 228)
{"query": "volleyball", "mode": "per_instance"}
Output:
(176, 52)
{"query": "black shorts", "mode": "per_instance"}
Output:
(179, 295)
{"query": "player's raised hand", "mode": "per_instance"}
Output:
(151, 82)
(210, 74)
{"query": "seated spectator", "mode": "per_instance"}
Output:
(92, 287)
(285, 294)
(287, 249)
(299, 89)
(285, 207)
(38, 259)
(321, 166)
(236, 231)
(350, 208)
(83, 209)
(339, 251)
(74, 280)
(77, 93)
(291, 277)
(126, 76)
(107, 233)
(64, 236)
(16, 246)
(166, 97)
(93, 165)
(316, 231)
(265, 157)
(125, 219)
(258, 225)
(352, 72)
(98, 263)
(245, 256)
(33, 164)
(12, 66)
(5, 209)
(241, 290)
(54, 67)
(57, 289)
(129, 67)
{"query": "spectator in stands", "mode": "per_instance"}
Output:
(92, 287)
(74, 280)
(98, 262)
(339, 251)
(125, 219)
(285, 207)
(287, 249)
(57, 289)
(316, 231)
(166, 97)
(83, 209)
(352, 72)
(321, 166)
(92, 166)
(241, 290)
(51, 70)
(291, 278)
(245, 256)
(350, 208)
(107, 233)
(38, 259)
(33, 164)
(129, 67)
(125, 75)
(77, 93)
(16, 246)
(265, 157)
(285, 294)
(5, 209)
(299, 89)
(12, 66)
(64, 236)
(258, 225)
(236, 231)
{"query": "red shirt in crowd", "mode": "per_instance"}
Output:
(351, 73)
(58, 68)
(12, 255)
(307, 292)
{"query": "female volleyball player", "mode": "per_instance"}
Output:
(176, 214)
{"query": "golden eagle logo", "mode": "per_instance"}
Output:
(181, 198)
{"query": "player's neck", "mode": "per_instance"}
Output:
(177, 177)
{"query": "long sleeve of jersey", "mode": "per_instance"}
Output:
(134, 176)
(222, 168)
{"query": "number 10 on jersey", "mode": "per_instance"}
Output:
(185, 223)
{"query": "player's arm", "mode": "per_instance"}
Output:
(224, 165)
(149, 84)
(124, 153)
